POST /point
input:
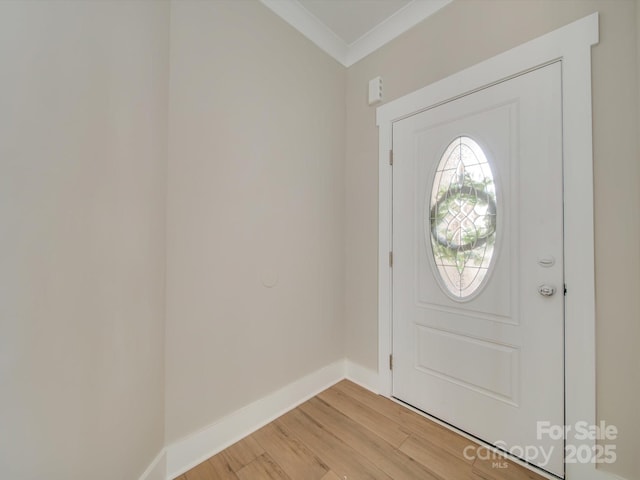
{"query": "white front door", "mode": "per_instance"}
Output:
(478, 288)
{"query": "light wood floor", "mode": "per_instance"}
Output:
(348, 433)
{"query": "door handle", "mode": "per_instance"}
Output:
(546, 290)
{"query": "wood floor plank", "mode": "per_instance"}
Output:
(216, 468)
(262, 468)
(412, 422)
(221, 468)
(292, 455)
(331, 476)
(340, 457)
(437, 460)
(349, 433)
(382, 426)
(374, 448)
(242, 453)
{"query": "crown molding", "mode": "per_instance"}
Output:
(394, 26)
(292, 12)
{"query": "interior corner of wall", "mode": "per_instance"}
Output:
(157, 469)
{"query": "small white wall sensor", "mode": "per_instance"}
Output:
(375, 90)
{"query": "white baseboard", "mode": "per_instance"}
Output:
(188, 452)
(363, 376)
(183, 455)
(157, 470)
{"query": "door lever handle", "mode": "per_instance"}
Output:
(546, 290)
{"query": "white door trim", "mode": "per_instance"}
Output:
(572, 45)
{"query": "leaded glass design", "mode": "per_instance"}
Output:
(461, 217)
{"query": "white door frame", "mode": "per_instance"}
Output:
(572, 46)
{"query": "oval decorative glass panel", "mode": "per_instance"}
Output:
(461, 221)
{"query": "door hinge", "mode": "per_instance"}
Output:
(391, 362)
(391, 157)
(565, 289)
(390, 259)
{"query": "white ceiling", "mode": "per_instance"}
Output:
(349, 30)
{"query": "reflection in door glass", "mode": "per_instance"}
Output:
(461, 221)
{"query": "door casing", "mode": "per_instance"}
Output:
(572, 46)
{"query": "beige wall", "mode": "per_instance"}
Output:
(460, 35)
(83, 117)
(256, 189)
